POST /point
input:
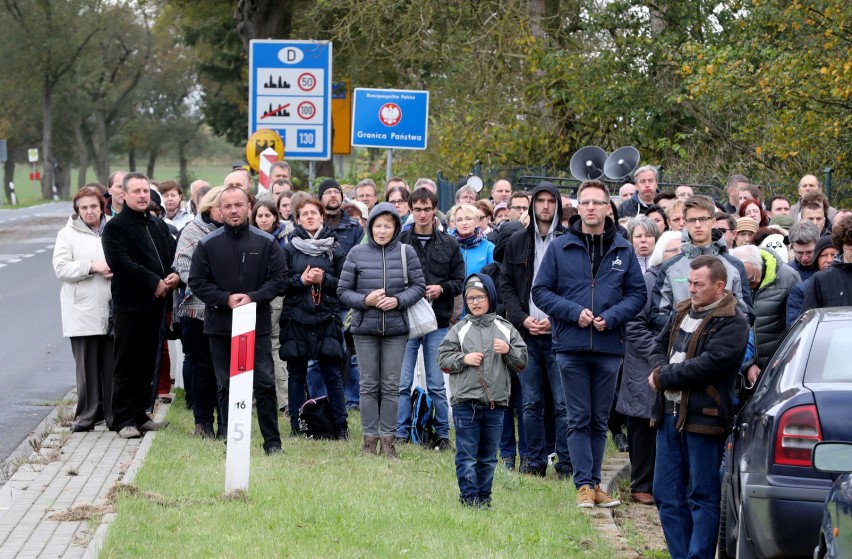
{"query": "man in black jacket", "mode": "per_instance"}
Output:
(696, 358)
(523, 255)
(233, 266)
(443, 268)
(139, 250)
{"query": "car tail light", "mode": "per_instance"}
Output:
(798, 432)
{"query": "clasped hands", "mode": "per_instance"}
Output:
(167, 284)
(381, 301)
(586, 318)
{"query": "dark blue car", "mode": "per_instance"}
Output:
(772, 497)
(835, 534)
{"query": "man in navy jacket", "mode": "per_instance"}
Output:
(589, 284)
(235, 265)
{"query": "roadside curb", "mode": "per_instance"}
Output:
(93, 550)
(47, 424)
(613, 471)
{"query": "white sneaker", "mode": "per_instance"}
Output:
(129, 432)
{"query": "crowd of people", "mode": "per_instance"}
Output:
(560, 317)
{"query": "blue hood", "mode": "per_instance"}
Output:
(489, 288)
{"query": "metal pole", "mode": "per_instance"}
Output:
(312, 174)
(389, 167)
(827, 182)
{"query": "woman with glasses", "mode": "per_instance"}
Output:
(398, 196)
(485, 213)
(476, 250)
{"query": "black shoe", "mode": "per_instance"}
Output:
(342, 433)
(530, 470)
(273, 449)
(509, 463)
(222, 434)
(621, 443)
(565, 474)
(209, 433)
(77, 428)
(442, 445)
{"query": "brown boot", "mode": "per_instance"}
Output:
(199, 430)
(371, 443)
(388, 448)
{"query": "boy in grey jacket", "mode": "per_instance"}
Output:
(478, 353)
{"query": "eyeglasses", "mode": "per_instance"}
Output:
(399, 202)
(701, 220)
(723, 230)
(596, 203)
(476, 299)
(483, 217)
(520, 208)
(422, 210)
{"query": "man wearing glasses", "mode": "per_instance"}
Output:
(726, 224)
(519, 206)
(589, 284)
(672, 285)
(443, 270)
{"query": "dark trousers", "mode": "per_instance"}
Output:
(203, 376)
(264, 384)
(95, 361)
(330, 372)
(514, 409)
(137, 337)
(477, 438)
(643, 451)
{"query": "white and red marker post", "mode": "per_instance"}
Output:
(237, 459)
(267, 158)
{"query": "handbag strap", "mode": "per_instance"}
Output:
(404, 264)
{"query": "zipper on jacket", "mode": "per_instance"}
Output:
(384, 287)
(157, 252)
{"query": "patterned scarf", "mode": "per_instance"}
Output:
(472, 241)
(314, 247)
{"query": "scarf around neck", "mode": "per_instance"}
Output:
(313, 246)
(472, 241)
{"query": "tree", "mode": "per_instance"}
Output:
(51, 36)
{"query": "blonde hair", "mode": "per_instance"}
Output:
(211, 199)
(468, 209)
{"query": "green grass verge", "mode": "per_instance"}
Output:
(29, 192)
(322, 499)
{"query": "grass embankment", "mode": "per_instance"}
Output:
(322, 499)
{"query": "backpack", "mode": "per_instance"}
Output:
(315, 420)
(422, 417)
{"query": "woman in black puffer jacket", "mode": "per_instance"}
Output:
(310, 320)
(373, 286)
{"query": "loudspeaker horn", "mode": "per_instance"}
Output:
(588, 163)
(474, 182)
(621, 163)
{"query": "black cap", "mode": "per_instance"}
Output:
(326, 184)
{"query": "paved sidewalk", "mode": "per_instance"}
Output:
(70, 470)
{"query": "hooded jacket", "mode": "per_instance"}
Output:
(518, 268)
(672, 285)
(565, 286)
(477, 334)
(368, 267)
(797, 294)
(770, 305)
(831, 287)
(632, 207)
(706, 376)
(241, 259)
(442, 265)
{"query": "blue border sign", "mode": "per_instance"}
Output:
(290, 92)
(390, 118)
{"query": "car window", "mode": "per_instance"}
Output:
(787, 357)
(832, 348)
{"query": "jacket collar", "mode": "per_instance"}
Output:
(728, 306)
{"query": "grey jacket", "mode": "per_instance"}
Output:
(474, 334)
(368, 267)
(635, 396)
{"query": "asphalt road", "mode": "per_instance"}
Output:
(36, 365)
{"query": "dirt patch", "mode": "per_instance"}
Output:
(640, 524)
(34, 227)
(84, 511)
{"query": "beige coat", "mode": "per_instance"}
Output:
(84, 297)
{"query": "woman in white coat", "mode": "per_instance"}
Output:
(78, 260)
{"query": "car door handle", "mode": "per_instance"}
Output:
(743, 426)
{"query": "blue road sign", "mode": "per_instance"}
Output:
(390, 118)
(290, 92)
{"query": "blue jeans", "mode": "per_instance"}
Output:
(541, 362)
(688, 490)
(434, 384)
(588, 381)
(330, 371)
(477, 436)
(508, 447)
